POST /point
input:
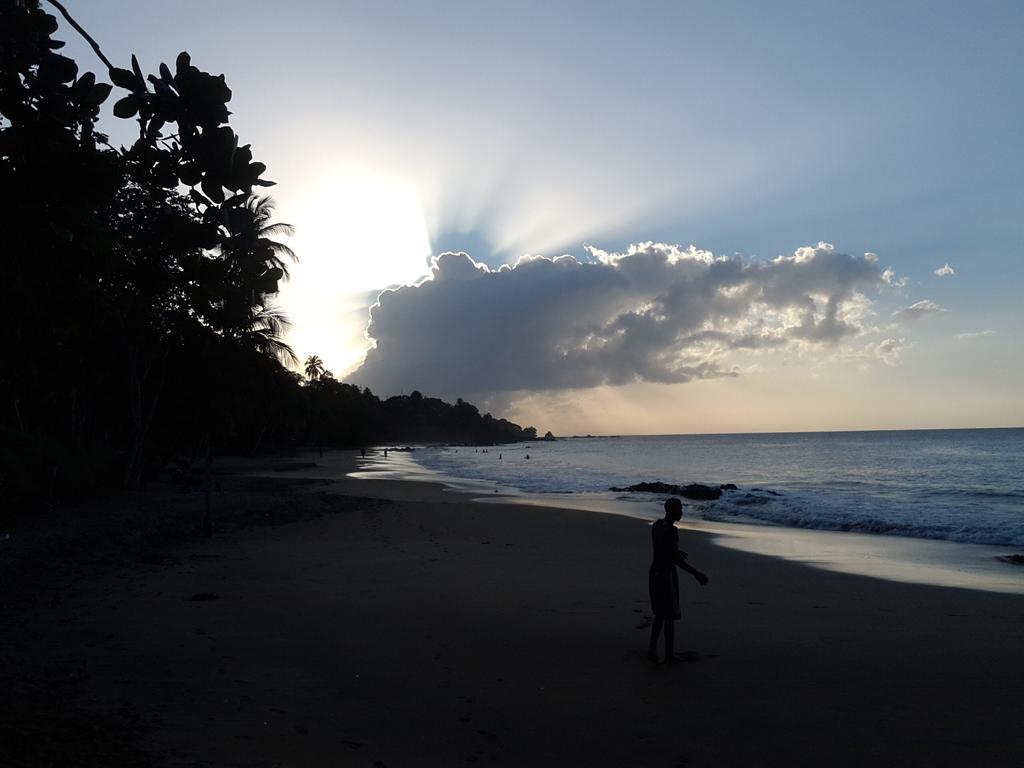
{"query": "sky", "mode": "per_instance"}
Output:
(659, 217)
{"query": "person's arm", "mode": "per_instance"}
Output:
(682, 564)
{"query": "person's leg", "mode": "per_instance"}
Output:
(652, 649)
(670, 638)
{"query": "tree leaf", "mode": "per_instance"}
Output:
(122, 78)
(183, 62)
(255, 170)
(98, 93)
(46, 23)
(137, 69)
(58, 69)
(190, 174)
(234, 200)
(153, 129)
(199, 198)
(213, 190)
(126, 107)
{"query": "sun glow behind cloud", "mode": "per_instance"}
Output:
(356, 233)
(373, 222)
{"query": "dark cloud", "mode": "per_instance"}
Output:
(656, 313)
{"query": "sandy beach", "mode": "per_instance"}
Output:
(392, 623)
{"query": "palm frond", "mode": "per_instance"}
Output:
(272, 319)
(281, 248)
(264, 334)
(278, 228)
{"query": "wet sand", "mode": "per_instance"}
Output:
(412, 627)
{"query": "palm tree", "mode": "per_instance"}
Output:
(264, 334)
(254, 261)
(314, 367)
(261, 207)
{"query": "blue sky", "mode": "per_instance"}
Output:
(397, 130)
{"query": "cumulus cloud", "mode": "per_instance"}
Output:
(945, 271)
(890, 350)
(889, 278)
(973, 334)
(656, 313)
(919, 309)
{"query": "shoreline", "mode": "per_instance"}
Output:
(390, 622)
(934, 562)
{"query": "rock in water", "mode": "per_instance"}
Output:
(701, 492)
(694, 491)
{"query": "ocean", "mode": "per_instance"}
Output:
(963, 485)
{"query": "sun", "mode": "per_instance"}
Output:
(357, 232)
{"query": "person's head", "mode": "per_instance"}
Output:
(673, 509)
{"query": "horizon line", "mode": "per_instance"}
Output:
(788, 432)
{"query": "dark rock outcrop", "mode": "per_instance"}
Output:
(695, 491)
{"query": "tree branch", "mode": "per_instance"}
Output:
(95, 46)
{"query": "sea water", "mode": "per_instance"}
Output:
(959, 485)
(923, 487)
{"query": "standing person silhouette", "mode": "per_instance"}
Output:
(662, 580)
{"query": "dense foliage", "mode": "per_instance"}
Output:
(140, 280)
(344, 415)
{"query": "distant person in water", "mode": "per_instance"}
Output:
(662, 580)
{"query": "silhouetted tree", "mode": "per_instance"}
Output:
(117, 274)
(314, 367)
(149, 272)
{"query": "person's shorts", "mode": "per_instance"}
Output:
(663, 586)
